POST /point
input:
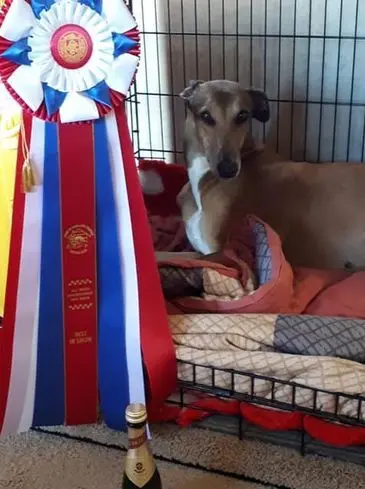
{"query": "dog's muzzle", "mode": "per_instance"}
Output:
(227, 169)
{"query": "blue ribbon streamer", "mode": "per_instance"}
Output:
(39, 5)
(122, 44)
(100, 93)
(113, 370)
(18, 52)
(53, 99)
(49, 407)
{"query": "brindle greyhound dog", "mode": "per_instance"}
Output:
(318, 210)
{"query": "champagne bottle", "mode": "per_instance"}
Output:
(140, 468)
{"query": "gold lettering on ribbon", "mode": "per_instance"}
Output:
(80, 338)
(80, 297)
(77, 239)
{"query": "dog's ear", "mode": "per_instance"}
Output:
(260, 105)
(188, 92)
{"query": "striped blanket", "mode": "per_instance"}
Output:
(311, 351)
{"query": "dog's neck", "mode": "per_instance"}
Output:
(198, 169)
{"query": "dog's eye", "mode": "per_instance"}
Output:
(207, 118)
(241, 117)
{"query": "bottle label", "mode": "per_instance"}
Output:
(140, 470)
(138, 441)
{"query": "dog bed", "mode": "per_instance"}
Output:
(250, 331)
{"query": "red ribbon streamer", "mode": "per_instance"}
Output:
(8, 326)
(78, 217)
(157, 345)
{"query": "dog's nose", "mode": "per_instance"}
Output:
(227, 168)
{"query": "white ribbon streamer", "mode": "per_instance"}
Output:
(19, 409)
(129, 268)
(26, 420)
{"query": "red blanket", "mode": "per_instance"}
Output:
(255, 249)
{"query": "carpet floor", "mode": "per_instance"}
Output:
(91, 457)
(39, 461)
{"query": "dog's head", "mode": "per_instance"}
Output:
(218, 117)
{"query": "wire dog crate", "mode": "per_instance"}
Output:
(297, 438)
(305, 54)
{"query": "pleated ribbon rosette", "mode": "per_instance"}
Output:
(85, 326)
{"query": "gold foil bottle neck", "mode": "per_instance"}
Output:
(136, 413)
